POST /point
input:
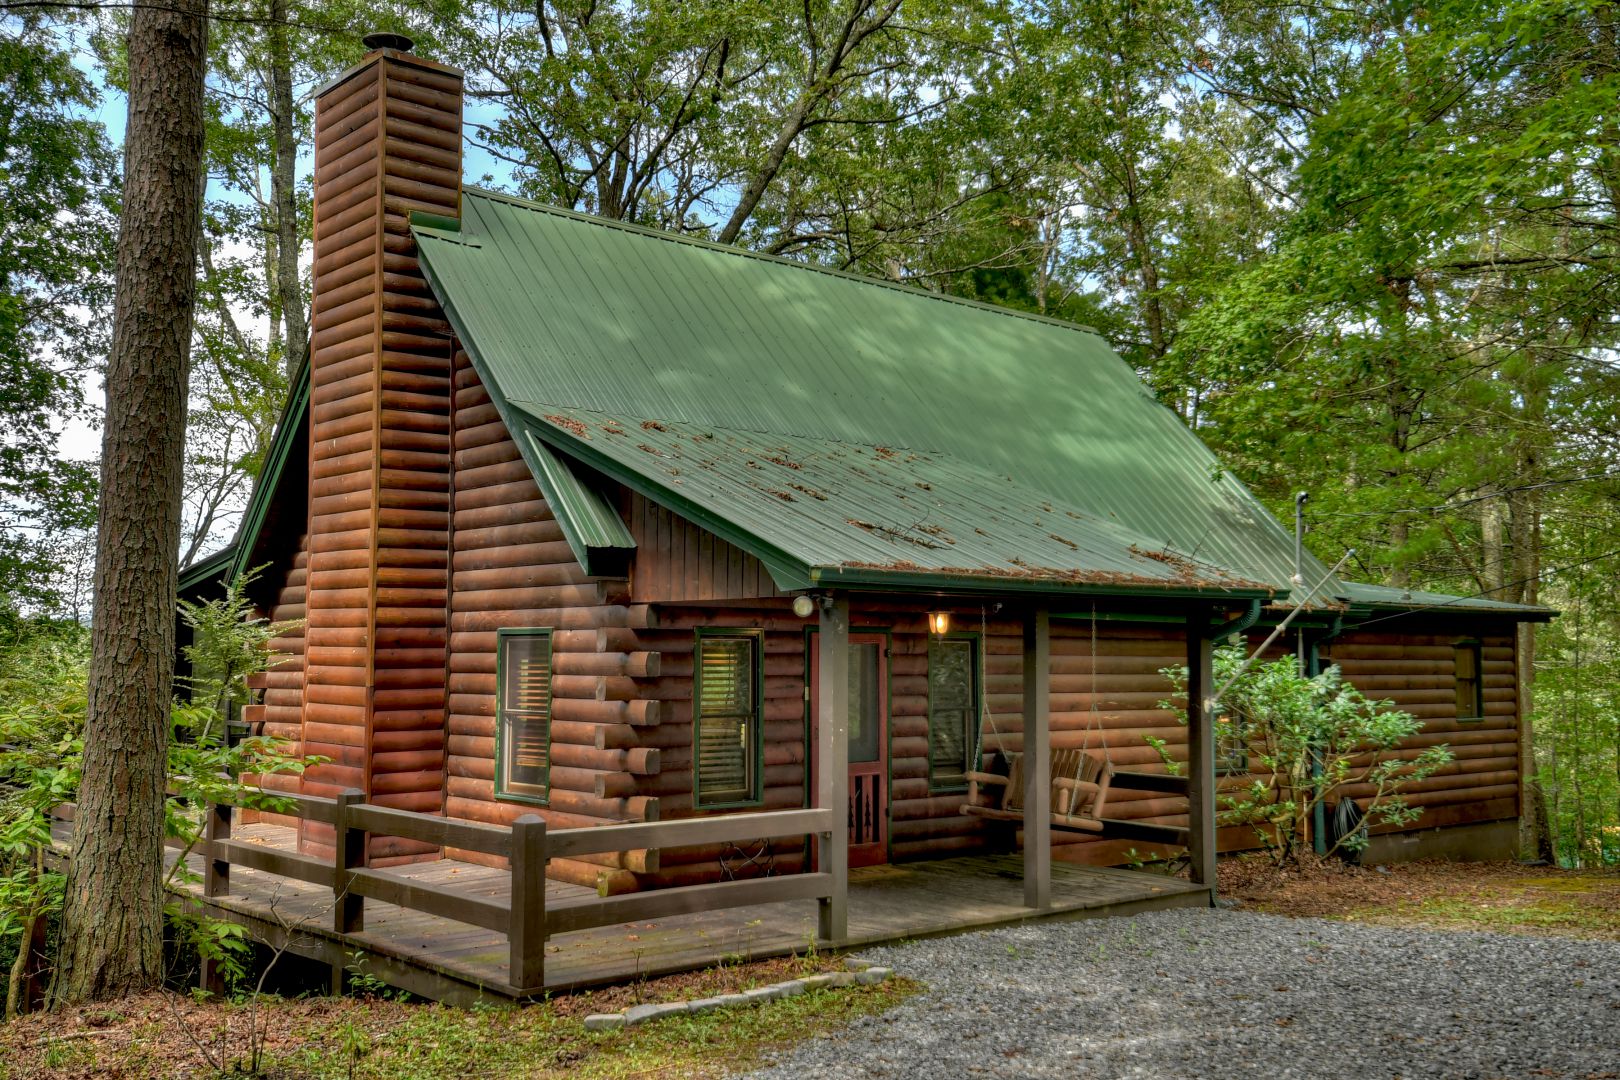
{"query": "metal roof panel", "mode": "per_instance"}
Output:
(572, 312)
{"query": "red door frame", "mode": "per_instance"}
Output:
(868, 780)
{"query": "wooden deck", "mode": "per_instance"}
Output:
(451, 961)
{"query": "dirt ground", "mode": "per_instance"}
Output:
(1504, 897)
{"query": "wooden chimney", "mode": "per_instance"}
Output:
(387, 143)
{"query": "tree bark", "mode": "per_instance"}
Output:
(112, 921)
(284, 194)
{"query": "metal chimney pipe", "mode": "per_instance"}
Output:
(1299, 536)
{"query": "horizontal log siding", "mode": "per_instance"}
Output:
(677, 560)
(421, 171)
(785, 762)
(343, 438)
(387, 143)
(1417, 673)
(1414, 671)
(511, 567)
(284, 683)
(926, 821)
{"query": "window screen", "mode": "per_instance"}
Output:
(523, 714)
(727, 719)
(953, 710)
(1470, 687)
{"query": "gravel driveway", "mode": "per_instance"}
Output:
(1215, 993)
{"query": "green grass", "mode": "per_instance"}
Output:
(434, 1042)
(1567, 905)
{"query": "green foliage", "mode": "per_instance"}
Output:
(1311, 739)
(43, 696)
(42, 704)
(58, 195)
(1577, 719)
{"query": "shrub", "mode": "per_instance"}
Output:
(1308, 738)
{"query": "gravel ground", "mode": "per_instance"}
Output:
(1215, 993)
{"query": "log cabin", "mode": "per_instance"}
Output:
(576, 519)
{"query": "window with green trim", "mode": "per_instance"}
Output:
(523, 714)
(727, 724)
(953, 710)
(1470, 687)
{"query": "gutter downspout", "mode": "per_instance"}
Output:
(1239, 624)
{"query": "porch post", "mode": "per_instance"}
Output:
(1037, 759)
(832, 763)
(1201, 748)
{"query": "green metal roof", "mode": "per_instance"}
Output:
(284, 444)
(997, 414)
(823, 512)
(595, 532)
(1384, 597)
(209, 571)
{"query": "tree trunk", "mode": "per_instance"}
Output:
(112, 922)
(284, 194)
(1493, 542)
(1524, 538)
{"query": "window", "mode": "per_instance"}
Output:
(953, 710)
(1470, 687)
(523, 714)
(727, 722)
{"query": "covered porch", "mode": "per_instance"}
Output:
(1203, 620)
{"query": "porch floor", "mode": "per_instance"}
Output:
(451, 961)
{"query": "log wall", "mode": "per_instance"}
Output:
(387, 142)
(1417, 672)
(284, 683)
(674, 640)
(511, 567)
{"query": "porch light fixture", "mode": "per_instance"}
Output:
(803, 606)
(939, 623)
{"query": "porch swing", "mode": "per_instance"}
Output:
(1080, 778)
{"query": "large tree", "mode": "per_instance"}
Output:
(112, 924)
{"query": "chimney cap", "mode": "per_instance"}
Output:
(383, 39)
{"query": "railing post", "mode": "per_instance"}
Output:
(348, 855)
(526, 933)
(1037, 760)
(216, 829)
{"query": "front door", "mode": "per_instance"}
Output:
(868, 744)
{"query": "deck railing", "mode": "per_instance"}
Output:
(525, 917)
